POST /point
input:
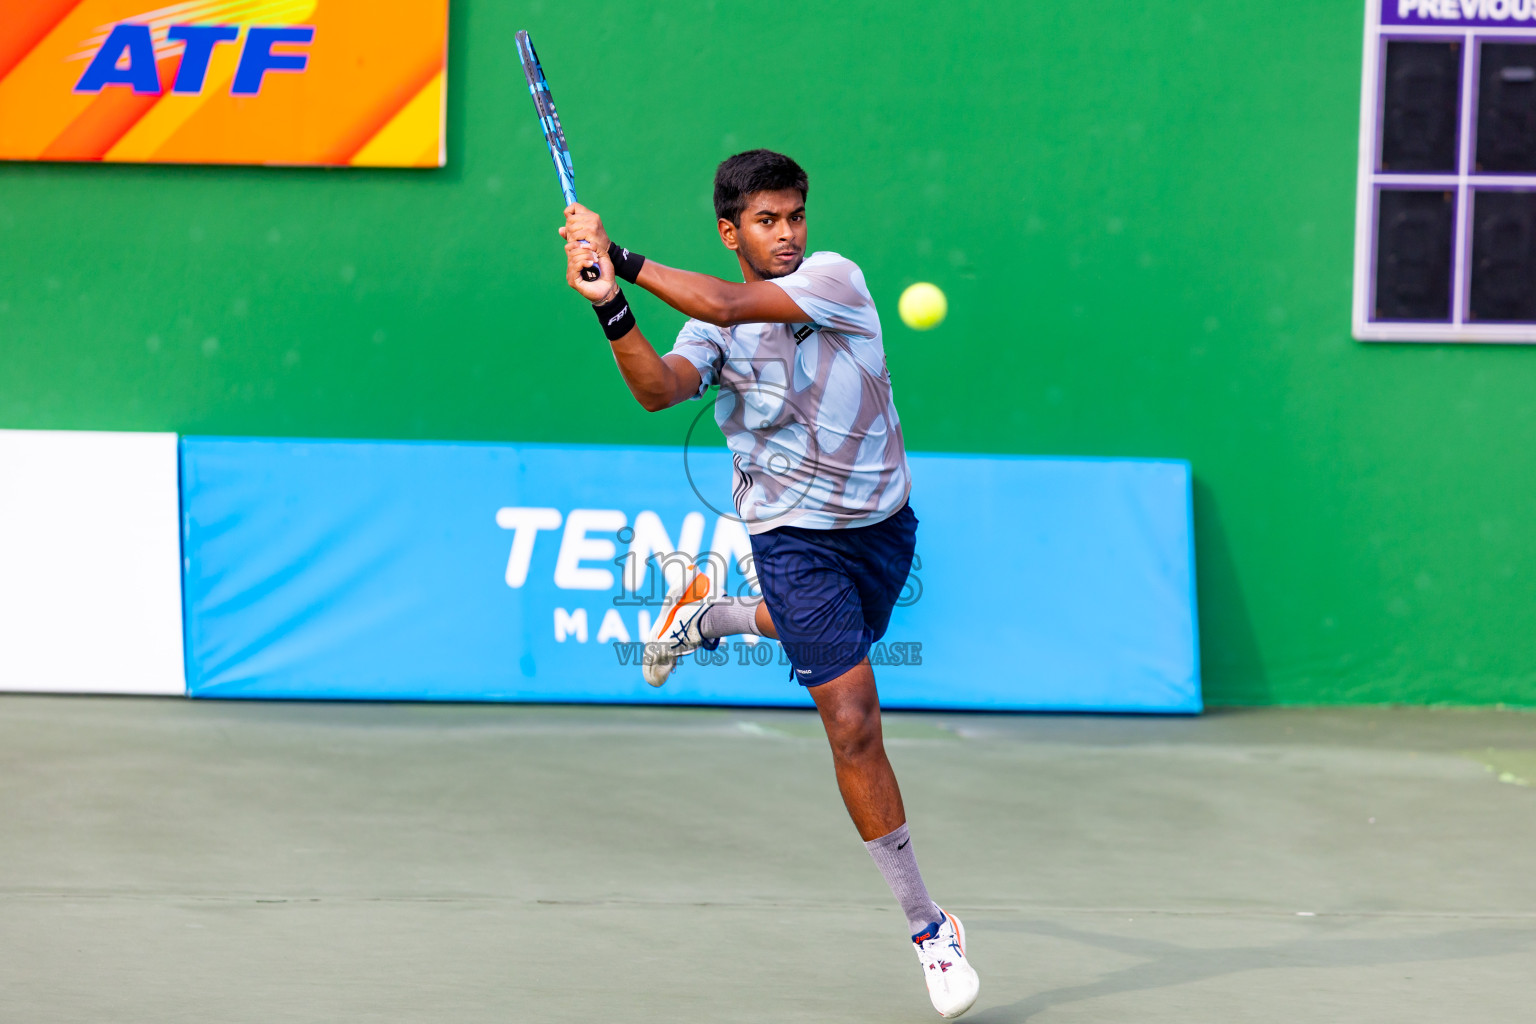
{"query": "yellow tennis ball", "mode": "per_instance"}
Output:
(922, 306)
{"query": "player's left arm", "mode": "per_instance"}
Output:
(701, 296)
(722, 303)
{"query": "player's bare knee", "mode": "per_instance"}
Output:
(854, 733)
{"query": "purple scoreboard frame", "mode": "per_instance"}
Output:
(1470, 23)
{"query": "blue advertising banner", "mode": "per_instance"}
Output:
(435, 571)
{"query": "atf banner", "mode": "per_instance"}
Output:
(329, 82)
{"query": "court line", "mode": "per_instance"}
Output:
(765, 905)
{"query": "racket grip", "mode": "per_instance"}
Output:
(593, 272)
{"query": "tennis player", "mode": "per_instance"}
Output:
(821, 482)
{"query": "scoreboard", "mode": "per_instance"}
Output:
(1445, 228)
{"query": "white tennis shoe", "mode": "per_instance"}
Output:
(676, 632)
(952, 981)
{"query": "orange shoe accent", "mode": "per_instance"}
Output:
(697, 590)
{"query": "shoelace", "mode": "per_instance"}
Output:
(936, 948)
(939, 950)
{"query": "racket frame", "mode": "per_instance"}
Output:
(554, 134)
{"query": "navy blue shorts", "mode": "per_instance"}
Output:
(831, 592)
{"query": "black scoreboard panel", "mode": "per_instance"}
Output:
(1413, 255)
(1506, 108)
(1421, 93)
(1445, 246)
(1503, 257)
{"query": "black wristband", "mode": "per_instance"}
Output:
(626, 264)
(615, 316)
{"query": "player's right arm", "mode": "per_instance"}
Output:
(657, 381)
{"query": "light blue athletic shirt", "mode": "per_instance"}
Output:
(806, 409)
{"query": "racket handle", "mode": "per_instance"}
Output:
(593, 272)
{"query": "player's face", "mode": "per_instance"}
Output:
(771, 236)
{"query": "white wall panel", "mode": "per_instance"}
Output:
(90, 563)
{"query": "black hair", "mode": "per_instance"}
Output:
(756, 170)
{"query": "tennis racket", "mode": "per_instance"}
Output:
(554, 135)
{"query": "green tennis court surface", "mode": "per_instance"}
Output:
(164, 860)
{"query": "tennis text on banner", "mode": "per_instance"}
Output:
(587, 551)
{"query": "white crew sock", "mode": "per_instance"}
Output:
(894, 857)
(729, 618)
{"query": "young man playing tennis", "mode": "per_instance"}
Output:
(821, 481)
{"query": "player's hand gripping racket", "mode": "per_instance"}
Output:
(554, 136)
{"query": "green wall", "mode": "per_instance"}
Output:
(1142, 215)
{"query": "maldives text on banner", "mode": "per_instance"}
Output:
(330, 82)
(435, 571)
